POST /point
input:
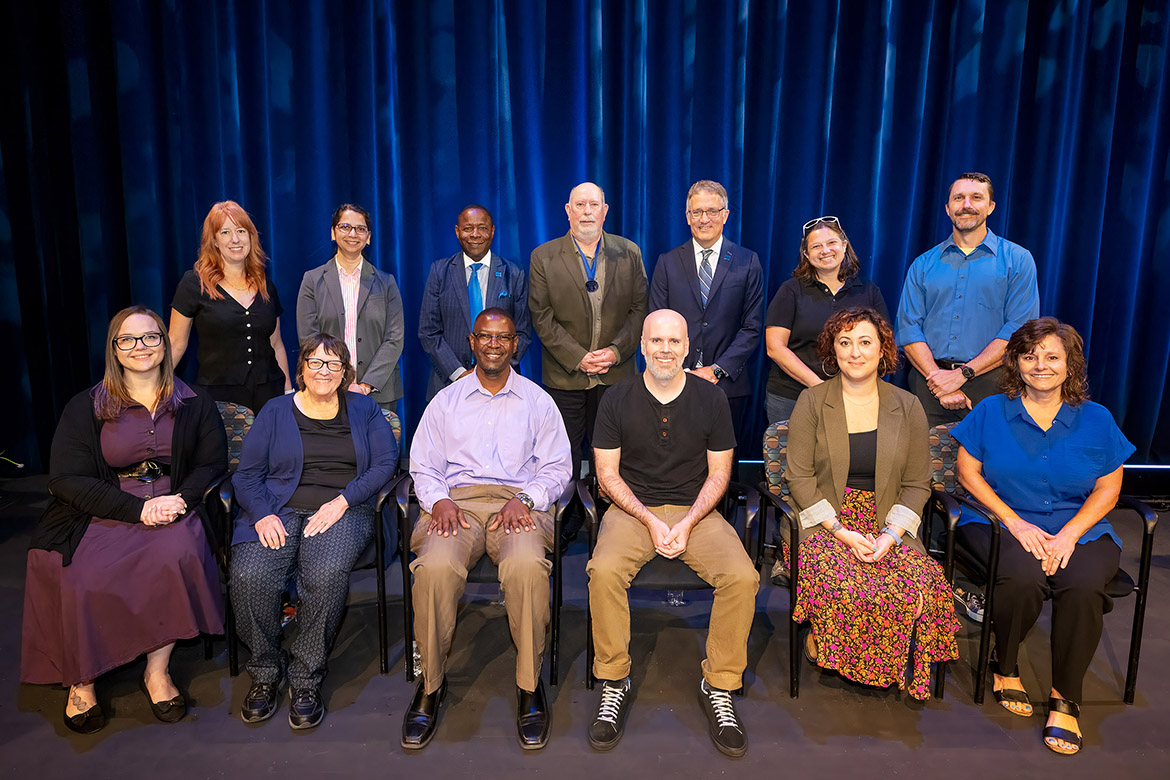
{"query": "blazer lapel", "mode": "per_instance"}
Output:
(889, 425)
(837, 433)
(721, 269)
(366, 282)
(571, 265)
(457, 282)
(333, 286)
(495, 282)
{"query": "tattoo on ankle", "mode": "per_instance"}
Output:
(76, 700)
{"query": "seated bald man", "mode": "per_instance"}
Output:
(489, 459)
(663, 448)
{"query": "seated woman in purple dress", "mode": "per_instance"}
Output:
(120, 565)
(859, 473)
(1047, 461)
(308, 469)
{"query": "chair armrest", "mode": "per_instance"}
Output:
(402, 495)
(751, 497)
(590, 506)
(948, 506)
(1144, 512)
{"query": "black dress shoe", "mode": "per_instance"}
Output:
(532, 717)
(307, 710)
(423, 716)
(260, 701)
(170, 711)
(91, 721)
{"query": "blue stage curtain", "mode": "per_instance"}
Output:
(123, 122)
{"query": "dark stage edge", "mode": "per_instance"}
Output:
(835, 728)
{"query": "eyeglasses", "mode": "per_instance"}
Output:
(127, 343)
(503, 339)
(709, 213)
(347, 228)
(814, 222)
(315, 364)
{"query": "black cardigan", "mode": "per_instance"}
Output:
(83, 485)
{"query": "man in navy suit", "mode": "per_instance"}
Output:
(718, 287)
(446, 316)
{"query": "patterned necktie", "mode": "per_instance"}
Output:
(474, 294)
(705, 276)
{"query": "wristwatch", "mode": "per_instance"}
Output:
(893, 535)
(526, 500)
(968, 372)
(719, 373)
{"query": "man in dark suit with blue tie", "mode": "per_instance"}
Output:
(459, 288)
(718, 287)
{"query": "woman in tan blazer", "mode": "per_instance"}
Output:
(859, 472)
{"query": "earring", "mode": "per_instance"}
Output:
(829, 370)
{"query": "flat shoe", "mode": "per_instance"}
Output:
(1009, 696)
(1056, 732)
(170, 711)
(808, 654)
(91, 721)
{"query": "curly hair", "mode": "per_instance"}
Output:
(1075, 390)
(850, 264)
(848, 319)
(333, 346)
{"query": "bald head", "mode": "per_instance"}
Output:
(586, 210)
(663, 318)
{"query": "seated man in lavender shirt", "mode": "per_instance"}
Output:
(489, 459)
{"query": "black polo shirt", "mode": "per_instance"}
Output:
(664, 446)
(804, 307)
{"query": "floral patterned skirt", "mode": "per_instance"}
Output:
(862, 614)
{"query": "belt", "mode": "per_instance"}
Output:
(146, 471)
(950, 364)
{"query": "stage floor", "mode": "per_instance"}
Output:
(834, 729)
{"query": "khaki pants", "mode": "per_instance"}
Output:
(440, 577)
(714, 552)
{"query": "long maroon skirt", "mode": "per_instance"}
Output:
(130, 589)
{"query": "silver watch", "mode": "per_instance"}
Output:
(527, 501)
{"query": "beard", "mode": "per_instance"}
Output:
(663, 374)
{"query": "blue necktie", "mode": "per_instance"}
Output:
(474, 294)
(705, 276)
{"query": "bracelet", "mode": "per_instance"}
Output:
(893, 535)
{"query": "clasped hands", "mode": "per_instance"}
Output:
(669, 542)
(945, 384)
(273, 535)
(447, 518)
(162, 510)
(598, 361)
(1053, 552)
(866, 548)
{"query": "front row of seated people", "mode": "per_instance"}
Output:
(132, 456)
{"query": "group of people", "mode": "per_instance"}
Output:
(494, 450)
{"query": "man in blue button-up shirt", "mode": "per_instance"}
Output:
(961, 302)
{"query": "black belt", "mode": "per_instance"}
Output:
(146, 471)
(950, 364)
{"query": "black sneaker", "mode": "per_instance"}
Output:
(307, 710)
(260, 702)
(606, 729)
(726, 730)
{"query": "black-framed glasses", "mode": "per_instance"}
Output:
(347, 228)
(315, 364)
(503, 339)
(709, 213)
(814, 222)
(127, 343)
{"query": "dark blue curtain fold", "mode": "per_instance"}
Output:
(123, 121)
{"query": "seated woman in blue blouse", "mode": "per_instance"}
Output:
(308, 469)
(1048, 461)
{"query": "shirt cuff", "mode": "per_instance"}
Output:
(617, 354)
(910, 334)
(904, 517)
(820, 512)
(457, 373)
(539, 496)
(1007, 330)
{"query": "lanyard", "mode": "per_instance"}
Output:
(590, 270)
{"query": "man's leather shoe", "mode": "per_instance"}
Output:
(418, 726)
(260, 702)
(307, 710)
(532, 717)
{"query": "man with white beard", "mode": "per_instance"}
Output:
(663, 448)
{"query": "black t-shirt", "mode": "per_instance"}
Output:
(862, 460)
(804, 308)
(232, 340)
(664, 446)
(330, 459)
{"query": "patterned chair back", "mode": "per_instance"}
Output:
(944, 456)
(776, 457)
(395, 424)
(237, 421)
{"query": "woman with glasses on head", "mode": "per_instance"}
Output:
(1047, 461)
(859, 474)
(351, 299)
(119, 565)
(825, 281)
(309, 467)
(235, 310)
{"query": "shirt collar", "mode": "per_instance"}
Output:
(474, 386)
(357, 272)
(467, 261)
(716, 248)
(1066, 416)
(989, 243)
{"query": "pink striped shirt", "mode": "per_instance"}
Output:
(351, 285)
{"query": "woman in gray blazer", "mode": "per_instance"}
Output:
(859, 472)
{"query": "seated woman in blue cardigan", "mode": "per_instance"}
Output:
(308, 469)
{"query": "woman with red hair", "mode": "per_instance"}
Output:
(236, 313)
